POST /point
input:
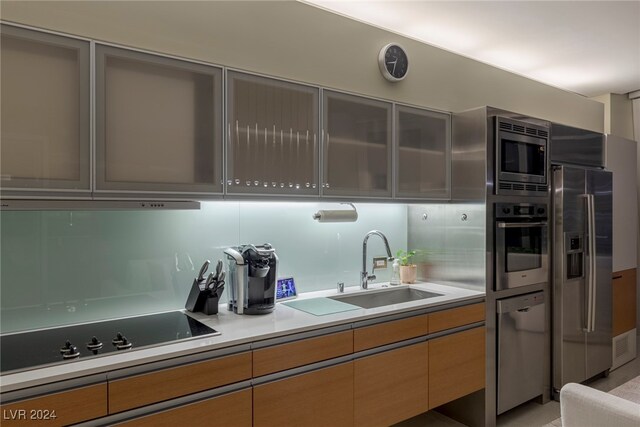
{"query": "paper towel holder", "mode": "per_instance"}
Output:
(342, 215)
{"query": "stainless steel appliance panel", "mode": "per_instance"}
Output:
(521, 349)
(469, 176)
(571, 145)
(569, 314)
(582, 274)
(599, 355)
(521, 157)
(520, 247)
(460, 227)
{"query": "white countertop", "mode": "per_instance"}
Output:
(236, 330)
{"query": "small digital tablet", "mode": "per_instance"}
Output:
(286, 289)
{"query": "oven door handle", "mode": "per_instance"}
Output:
(502, 224)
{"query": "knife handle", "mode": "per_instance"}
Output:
(203, 270)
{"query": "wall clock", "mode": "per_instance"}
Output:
(393, 62)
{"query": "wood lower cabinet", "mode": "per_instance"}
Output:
(452, 318)
(317, 398)
(379, 389)
(165, 384)
(624, 301)
(390, 332)
(392, 386)
(233, 409)
(58, 409)
(456, 366)
(303, 352)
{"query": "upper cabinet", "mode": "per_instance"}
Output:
(45, 139)
(272, 136)
(165, 127)
(158, 124)
(422, 159)
(357, 146)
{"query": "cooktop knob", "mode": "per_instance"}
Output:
(72, 353)
(124, 344)
(66, 347)
(118, 339)
(506, 210)
(540, 210)
(94, 344)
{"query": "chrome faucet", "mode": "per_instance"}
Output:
(364, 276)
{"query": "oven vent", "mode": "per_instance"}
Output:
(522, 187)
(522, 128)
(510, 186)
(624, 348)
(505, 126)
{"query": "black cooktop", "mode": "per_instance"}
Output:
(28, 350)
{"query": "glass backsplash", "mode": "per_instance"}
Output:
(64, 267)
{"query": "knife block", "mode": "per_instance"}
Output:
(197, 296)
(202, 300)
(211, 303)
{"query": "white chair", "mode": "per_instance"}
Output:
(582, 406)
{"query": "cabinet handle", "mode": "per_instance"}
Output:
(617, 277)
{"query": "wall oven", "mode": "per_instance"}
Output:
(521, 157)
(521, 245)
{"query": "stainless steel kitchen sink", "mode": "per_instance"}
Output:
(380, 298)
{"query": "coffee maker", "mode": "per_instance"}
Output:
(252, 274)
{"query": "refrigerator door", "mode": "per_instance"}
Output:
(599, 351)
(569, 278)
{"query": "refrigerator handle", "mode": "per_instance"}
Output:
(591, 283)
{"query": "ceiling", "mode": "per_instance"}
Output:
(586, 47)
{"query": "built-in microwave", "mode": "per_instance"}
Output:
(521, 157)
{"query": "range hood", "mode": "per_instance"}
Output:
(96, 205)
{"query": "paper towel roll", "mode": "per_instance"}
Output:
(344, 215)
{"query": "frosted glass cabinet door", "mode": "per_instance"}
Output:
(422, 153)
(357, 146)
(44, 142)
(273, 144)
(158, 124)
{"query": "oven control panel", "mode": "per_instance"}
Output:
(521, 210)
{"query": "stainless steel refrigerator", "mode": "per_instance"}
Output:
(581, 291)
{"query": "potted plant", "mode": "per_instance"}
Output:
(408, 270)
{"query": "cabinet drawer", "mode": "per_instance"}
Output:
(233, 409)
(390, 332)
(624, 301)
(303, 352)
(392, 386)
(456, 366)
(68, 407)
(317, 398)
(144, 389)
(455, 317)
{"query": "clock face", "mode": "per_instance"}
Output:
(394, 62)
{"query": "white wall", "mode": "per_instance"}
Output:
(618, 114)
(300, 42)
(636, 130)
